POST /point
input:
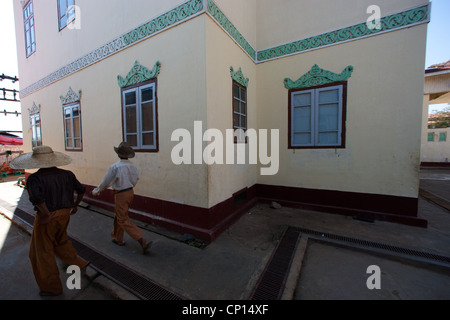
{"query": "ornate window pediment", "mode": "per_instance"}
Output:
(139, 74)
(239, 77)
(34, 109)
(318, 76)
(71, 97)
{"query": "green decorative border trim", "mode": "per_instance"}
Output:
(192, 8)
(239, 77)
(139, 74)
(226, 24)
(164, 21)
(187, 10)
(318, 76)
(389, 23)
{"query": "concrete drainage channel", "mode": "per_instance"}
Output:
(282, 277)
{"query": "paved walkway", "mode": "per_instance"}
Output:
(230, 267)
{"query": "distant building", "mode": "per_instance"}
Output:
(11, 146)
(436, 136)
(343, 88)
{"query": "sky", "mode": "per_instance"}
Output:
(438, 51)
(8, 66)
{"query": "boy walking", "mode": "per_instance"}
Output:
(123, 176)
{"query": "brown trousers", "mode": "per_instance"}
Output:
(122, 222)
(47, 241)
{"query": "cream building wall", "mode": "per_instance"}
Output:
(437, 151)
(100, 22)
(181, 101)
(380, 167)
(222, 53)
(384, 110)
(437, 91)
(302, 19)
(382, 140)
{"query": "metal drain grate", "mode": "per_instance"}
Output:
(271, 284)
(135, 283)
(272, 281)
(377, 245)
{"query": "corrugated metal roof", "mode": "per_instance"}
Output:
(438, 67)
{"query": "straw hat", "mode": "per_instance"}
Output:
(41, 157)
(124, 150)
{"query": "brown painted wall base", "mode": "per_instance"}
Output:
(435, 164)
(396, 209)
(207, 224)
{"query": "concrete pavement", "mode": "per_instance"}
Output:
(230, 267)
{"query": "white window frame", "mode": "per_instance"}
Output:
(242, 128)
(29, 29)
(138, 92)
(69, 15)
(36, 131)
(71, 107)
(314, 131)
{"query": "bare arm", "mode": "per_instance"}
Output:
(44, 214)
(77, 203)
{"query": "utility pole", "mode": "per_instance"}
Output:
(9, 94)
(13, 79)
(16, 113)
(9, 98)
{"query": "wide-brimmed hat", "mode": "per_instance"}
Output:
(41, 157)
(124, 150)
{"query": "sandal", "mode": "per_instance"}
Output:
(121, 244)
(146, 247)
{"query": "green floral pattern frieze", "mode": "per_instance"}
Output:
(139, 74)
(226, 24)
(164, 21)
(192, 8)
(239, 77)
(388, 23)
(318, 76)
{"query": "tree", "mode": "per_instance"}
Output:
(440, 120)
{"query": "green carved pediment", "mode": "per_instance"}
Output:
(139, 74)
(239, 77)
(318, 76)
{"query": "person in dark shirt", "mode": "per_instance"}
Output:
(51, 190)
(55, 188)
